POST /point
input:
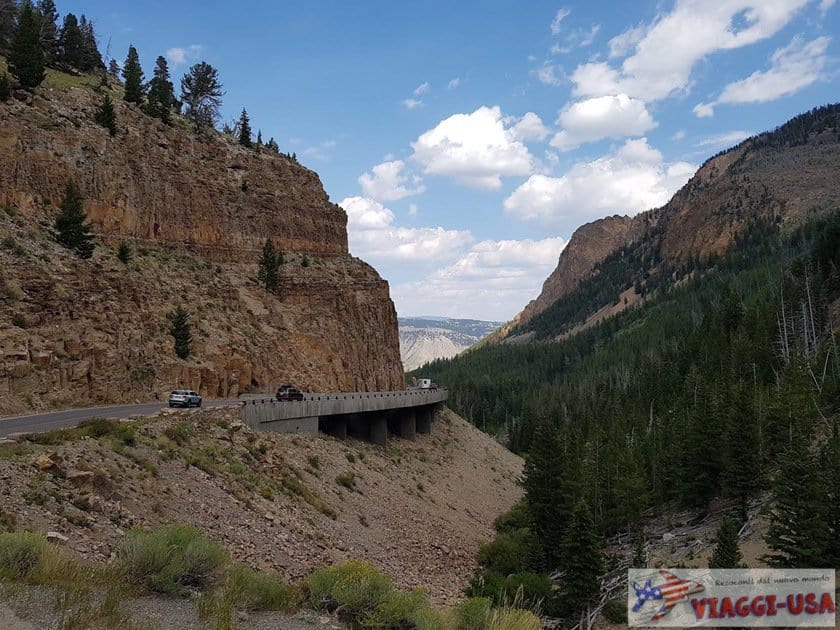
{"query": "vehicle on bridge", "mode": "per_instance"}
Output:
(288, 392)
(425, 383)
(184, 398)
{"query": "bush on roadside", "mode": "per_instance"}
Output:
(20, 553)
(510, 552)
(170, 559)
(260, 590)
(365, 598)
(473, 614)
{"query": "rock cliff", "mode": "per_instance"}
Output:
(195, 210)
(776, 177)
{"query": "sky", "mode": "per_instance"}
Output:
(468, 140)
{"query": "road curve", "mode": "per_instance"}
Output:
(52, 420)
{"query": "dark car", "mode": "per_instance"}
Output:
(288, 392)
(184, 398)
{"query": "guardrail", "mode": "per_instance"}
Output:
(350, 396)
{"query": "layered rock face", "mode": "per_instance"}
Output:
(163, 185)
(590, 244)
(196, 211)
(762, 179)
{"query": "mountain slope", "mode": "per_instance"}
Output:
(418, 510)
(654, 405)
(195, 210)
(425, 339)
(777, 177)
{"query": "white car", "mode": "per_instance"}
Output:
(184, 398)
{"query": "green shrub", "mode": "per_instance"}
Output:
(352, 585)
(20, 552)
(615, 610)
(258, 590)
(401, 609)
(473, 614)
(347, 480)
(526, 589)
(515, 518)
(180, 433)
(170, 559)
(513, 619)
(10, 243)
(365, 598)
(512, 552)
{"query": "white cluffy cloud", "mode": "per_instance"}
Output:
(454, 83)
(561, 15)
(792, 68)
(475, 149)
(501, 276)
(632, 179)
(529, 127)
(178, 56)
(601, 117)
(665, 51)
(373, 235)
(387, 182)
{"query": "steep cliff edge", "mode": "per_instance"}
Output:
(196, 210)
(776, 177)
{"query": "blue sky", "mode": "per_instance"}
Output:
(468, 140)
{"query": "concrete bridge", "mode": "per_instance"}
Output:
(368, 416)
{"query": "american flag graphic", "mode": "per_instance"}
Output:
(671, 592)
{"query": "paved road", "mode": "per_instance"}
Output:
(42, 422)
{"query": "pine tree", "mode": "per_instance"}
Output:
(580, 553)
(201, 92)
(133, 75)
(259, 139)
(26, 60)
(726, 555)
(49, 29)
(799, 531)
(551, 489)
(8, 23)
(245, 129)
(161, 97)
(106, 115)
(124, 253)
(71, 43)
(830, 465)
(268, 265)
(743, 465)
(91, 57)
(71, 226)
(114, 69)
(180, 329)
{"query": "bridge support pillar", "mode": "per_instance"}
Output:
(379, 429)
(424, 420)
(407, 424)
(335, 426)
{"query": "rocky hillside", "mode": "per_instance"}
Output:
(776, 177)
(424, 339)
(417, 510)
(195, 209)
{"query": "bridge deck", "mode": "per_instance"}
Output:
(338, 411)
